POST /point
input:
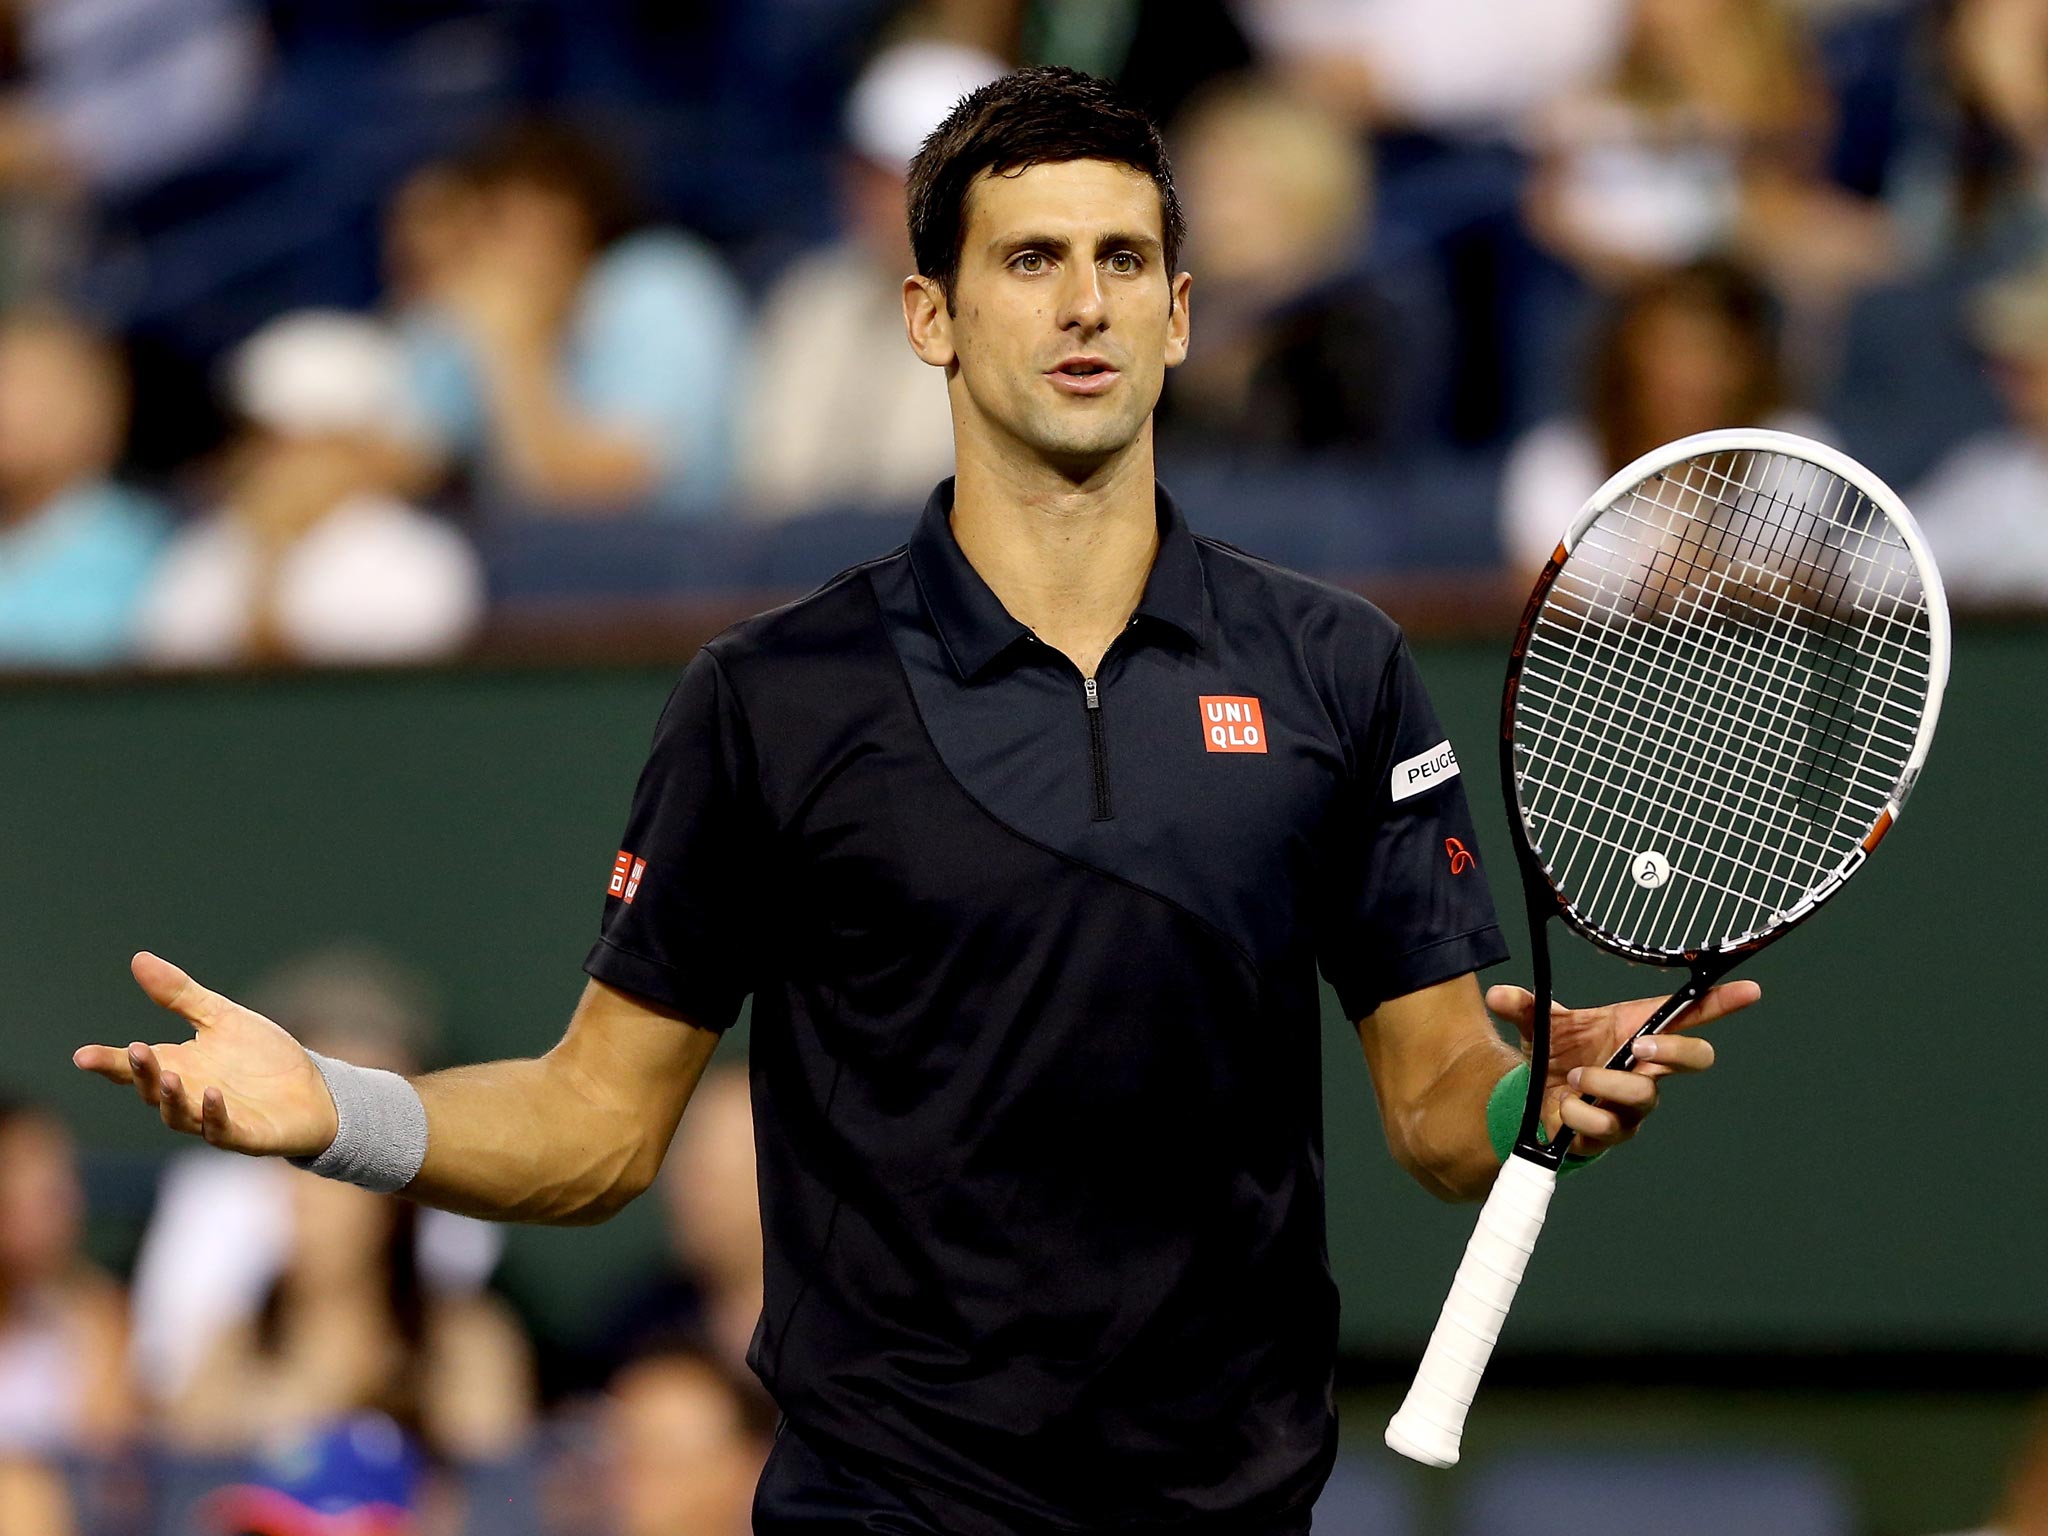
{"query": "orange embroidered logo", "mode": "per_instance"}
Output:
(1461, 858)
(626, 873)
(1232, 724)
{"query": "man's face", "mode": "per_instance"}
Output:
(1064, 317)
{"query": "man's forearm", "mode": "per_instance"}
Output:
(552, 451)
(515, 1141)
(567, 1138)
(1445, 1142)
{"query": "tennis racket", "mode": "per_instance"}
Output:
(1722, 691)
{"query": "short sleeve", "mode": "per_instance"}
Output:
(1405, 903)
(681, 918)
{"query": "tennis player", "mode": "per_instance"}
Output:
(1027, 841)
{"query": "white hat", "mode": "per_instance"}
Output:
(317, 371)
(907, 90)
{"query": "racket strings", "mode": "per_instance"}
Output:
(1737, 595)
(1719, 693)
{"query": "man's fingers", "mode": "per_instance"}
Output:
(1632, 1089)
(145, 1073)
(1729, 997)
(177, 1114)
(108, 1061)
(169, 987)
(213, 1117)
(1657, 1055)
(1518, 1005)
(1594, 1123)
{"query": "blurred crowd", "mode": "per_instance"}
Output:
(307, 306)
(286, 1344)
(282, 1355)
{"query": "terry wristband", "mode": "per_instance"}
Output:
(380, 1136)
(1504, 1120)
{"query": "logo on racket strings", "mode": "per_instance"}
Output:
(1460, 855)
(1649, 869)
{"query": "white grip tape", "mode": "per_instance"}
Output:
(1431, 1421)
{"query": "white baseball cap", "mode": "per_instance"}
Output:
(319, 371)
(907, 90)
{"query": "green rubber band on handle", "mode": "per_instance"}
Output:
(1504, 1119)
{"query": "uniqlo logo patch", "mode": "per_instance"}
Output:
(1232, 724)
(626, 872)
(633, 881)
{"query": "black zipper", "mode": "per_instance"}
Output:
(1098, 749)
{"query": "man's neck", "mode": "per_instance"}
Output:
(1067, 558)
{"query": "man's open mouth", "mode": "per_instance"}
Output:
(1084, 375)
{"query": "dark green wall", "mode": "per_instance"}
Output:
(1865, 1167)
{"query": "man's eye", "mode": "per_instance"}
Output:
(1124, 262)
(1031, 261)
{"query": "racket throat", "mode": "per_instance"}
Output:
(1529, 1143)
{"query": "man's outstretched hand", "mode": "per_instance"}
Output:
(241, 1081)
(1584, 1040)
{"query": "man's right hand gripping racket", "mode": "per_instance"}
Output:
(1723, 688)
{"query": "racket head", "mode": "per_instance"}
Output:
(1722, 690)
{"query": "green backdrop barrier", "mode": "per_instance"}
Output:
(1864, 1169)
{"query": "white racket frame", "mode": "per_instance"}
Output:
(1430, 1424)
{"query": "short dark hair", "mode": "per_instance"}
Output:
(1031, 117)
(562, 159)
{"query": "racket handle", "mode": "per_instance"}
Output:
(1431, 1421)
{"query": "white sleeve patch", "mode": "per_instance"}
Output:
(1425, 770)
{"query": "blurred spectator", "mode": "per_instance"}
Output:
(359, 1477)
(1447, 67)
(1685, 352)
(1981, 176)
(76, 547)
(2024, 1511)
(1297, 351)
(840, 409)
(118, 94)
(579, 365)
(63, 1335)
(687, 1438)
(317, 553)
(710, 1287)
(1985, 506)
(108, 98)
(350, 1327)
(1159, 52)
(33, 1500)
(1999, 57)
(347, 1000)
(1708, 137)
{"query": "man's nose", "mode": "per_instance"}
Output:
(1081, 301)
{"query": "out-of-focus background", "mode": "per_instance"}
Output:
(392, 395)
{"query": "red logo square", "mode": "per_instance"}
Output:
(1231, 723)
(622, 869)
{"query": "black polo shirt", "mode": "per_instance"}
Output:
(1036, 1034)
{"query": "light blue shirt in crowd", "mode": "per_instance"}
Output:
(73, 575)
(654, 346)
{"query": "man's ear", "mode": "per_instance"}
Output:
(926, 321)
(1177, 321)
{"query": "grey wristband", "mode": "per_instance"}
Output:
(380, 1136)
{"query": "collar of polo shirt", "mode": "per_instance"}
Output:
(975, 626)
